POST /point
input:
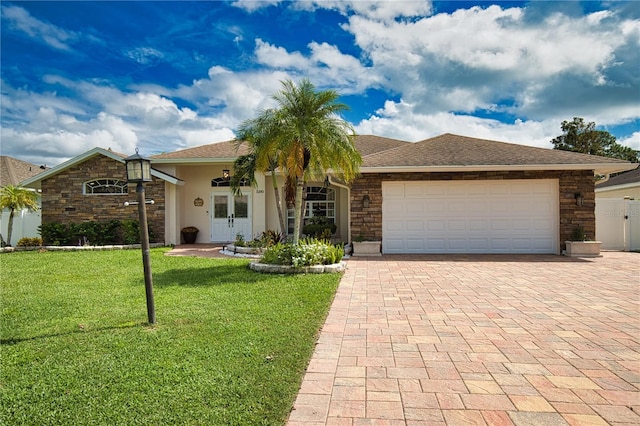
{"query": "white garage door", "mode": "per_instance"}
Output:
(491, 216)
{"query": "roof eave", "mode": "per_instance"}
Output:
(85, 156)
(618, 187)
(599, 168)
(179, 161)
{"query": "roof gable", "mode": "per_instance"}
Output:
(455, 151)
(90, 154)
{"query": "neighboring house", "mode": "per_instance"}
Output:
(448, 194)
(625, 184)
(25, 223)
(618, 211)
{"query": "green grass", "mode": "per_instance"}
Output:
(229, 347)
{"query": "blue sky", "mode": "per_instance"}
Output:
(163, 76)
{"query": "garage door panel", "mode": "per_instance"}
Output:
(393, 190)
(478, 224)
(395, 226)
(415, 244)
(506, 216)
(415, 225)
(456, 225)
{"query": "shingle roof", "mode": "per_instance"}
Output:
(455, 150)
(622, 179)
(370, 144)
(14, 171)
(226, 149)
(366, 144)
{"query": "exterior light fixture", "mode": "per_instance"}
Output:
(226, 174)
(138, 172)
(138, 168)
(579, 199)
(366, 201)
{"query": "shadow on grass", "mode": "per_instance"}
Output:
(16, 340)
(210, 276)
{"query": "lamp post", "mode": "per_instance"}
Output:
(138, 172)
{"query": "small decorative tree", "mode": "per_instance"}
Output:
(16, 198)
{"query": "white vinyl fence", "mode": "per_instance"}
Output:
(618, 223)
(25, 224)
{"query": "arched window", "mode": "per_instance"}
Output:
(321, 201)
(105, 187)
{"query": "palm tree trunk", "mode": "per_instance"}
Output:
(276, 192)
(296, 221)
(303, 207)
(10, 227)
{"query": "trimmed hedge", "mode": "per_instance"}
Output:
(92, 233)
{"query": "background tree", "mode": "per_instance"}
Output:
(15, 199)
(304, 137)
(583, 137)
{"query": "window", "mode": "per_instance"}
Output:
(105, 187)
(321, 201)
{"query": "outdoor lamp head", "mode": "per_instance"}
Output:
(138, 168)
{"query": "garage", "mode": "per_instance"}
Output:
(462, 216)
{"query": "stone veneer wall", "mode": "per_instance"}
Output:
(368, 221)
(63, 199)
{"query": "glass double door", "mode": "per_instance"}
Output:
(231, 215)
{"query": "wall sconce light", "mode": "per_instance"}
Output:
(326, 182)
(366, 201)
(226, 174)
(579, 199)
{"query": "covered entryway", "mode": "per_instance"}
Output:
(230, 216)
(480, 216)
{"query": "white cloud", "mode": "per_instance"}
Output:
(278, 57)
(633, 141)
(400, 120)
(325, 65)
(144, 55)
(54, 36)
(253, 5)
(473, 58)
(379, 10)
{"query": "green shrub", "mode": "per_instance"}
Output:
(578, 234)
(267, 239)
(319, 227)
(30, 242)
(308, 252)
(130, 232)
(92, 233)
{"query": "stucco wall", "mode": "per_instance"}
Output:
(368, 221)
(63, 199)
(631, 192)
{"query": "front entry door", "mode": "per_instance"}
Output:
(230, 216)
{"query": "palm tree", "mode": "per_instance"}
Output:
(306, 137)
(259, 159)
(16, 198)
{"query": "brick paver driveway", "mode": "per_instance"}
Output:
(498, 340)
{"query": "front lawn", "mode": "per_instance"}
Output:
(230, 345)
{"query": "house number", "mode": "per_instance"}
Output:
(259, 191)
(198, 202)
